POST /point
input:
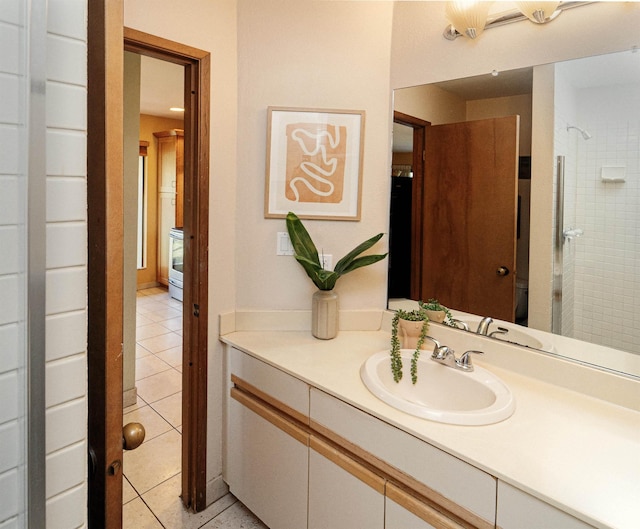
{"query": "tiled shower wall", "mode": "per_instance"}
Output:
(13, 117)
(66, 254)
(601, 268)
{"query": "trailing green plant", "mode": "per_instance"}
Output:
(306, 254)
(434, 304)
(396, 358)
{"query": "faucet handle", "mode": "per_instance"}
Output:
(464, 362)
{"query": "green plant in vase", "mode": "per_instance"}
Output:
(416, 315)
(324, 306)
(435, 306)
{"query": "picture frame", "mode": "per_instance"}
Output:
(314, 163)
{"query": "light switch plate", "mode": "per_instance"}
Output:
(284, 246)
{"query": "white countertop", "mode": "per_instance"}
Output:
(570, 449)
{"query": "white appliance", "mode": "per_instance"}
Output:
(176, 261)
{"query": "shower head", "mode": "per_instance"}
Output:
(585, 134)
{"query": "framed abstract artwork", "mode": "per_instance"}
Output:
(314, 163)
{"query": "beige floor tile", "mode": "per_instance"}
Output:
(164, 501)
(153, 462)
(175, 304)
(142, 320)
(141, 352)
(154, 424)
(136, 515)
(172, 356)
(128, 492)
(159, 386)
(147, 306)
(236, 516)
(149, 331)
(163, 314)
(174, 324)
(139, 404)
(150, 365)
(162, 342)
(170, 408)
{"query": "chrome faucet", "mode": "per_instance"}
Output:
(499, 330)
(460, 324)
(439, 350)
(483, 326)
(445, 355)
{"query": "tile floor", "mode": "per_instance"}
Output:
(151, 485)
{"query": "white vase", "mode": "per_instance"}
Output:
(324, 314)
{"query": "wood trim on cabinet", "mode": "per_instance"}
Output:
(269, 414)
(279, 405)
(422, 509)
(348, 463)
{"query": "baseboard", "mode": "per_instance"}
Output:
(129, 397)
(216, 489)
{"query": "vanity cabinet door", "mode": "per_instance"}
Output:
(343, 494)
(266, 462)
(519, 510)
(267, 466)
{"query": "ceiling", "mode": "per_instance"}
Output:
(161, 87)
(590, 72)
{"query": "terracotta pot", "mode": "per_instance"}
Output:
(436, 315)
(409, 333)
(324, 314)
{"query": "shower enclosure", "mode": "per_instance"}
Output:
(597, 214)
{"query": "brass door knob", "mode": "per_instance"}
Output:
(132, 435)
(502, 271)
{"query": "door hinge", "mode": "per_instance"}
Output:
(196, 310)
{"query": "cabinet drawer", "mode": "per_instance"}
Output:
(276, 387)
(519, 510)
(459, 487)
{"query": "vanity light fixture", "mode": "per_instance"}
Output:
(176, 109)
(466, 16)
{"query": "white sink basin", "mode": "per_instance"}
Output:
(441, 394)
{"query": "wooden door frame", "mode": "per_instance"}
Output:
(196, 253)
(106, 37)
(417, 191)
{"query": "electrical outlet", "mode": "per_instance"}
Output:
(284, 246)
(326, 260)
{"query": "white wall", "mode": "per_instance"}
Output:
(313, 54)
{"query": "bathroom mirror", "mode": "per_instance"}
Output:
(596, 120)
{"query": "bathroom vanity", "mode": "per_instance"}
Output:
(308, 445)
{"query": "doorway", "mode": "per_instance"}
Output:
(105, 290)
(405, 229)
(153, 312)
